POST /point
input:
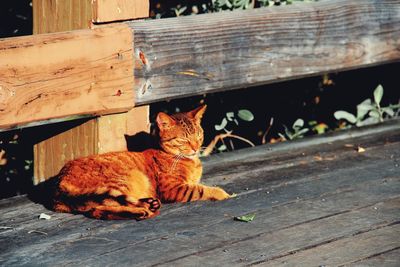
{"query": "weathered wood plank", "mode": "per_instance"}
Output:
(180, 230)
(143, 239)
(386, 259)
(111, 10)
(281, 243)
(183, 56)
(346, 250)
(64, 74)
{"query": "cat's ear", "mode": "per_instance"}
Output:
(164, 121)
(198, 112)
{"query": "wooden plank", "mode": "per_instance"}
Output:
(65, 15)
(81, 14)
(179, 57)
(386, 259)
(320, 189)
(346, 250)
(175, 230)
(64, 74)
(111, 10)
(276, 247)
(332, 189)
(55, 150)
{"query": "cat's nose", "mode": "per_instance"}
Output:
(194, 146)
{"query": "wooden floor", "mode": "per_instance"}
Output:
(316, 202)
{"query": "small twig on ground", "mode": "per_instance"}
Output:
(37, 232)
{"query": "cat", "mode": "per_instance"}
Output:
(132, 185)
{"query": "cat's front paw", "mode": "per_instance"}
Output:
(219, 194)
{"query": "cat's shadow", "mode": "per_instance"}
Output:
(43, 193)
(141, 141)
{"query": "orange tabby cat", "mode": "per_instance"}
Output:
(123, 185)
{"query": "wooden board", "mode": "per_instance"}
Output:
(179, 57)
(111, 10)
(64, 15)
(80, 14)
(65, 74)
(345, 207)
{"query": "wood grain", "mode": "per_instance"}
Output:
(346, 251)
(330, 207)
(112, 10)
(55, 150)
(57, 16)
(64, 74)
(179, 57)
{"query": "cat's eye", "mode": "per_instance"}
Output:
(181, 141)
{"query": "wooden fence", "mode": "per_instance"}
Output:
(120, 67)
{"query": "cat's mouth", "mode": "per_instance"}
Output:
(191, 156)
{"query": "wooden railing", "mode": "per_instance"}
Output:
(115, 67)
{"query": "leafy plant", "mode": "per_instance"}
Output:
(178, 10)
(368, 111)
(219, 5)
(231, 119)
(318, 128)
(297, 131)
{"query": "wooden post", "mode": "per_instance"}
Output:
(102, 134)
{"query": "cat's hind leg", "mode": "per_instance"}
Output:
(143, 209)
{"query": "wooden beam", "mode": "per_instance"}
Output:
(70, 73)
(184, 56)
(75, 139)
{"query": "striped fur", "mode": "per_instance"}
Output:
(132, 185)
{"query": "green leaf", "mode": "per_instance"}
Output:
(374, 114)
(363, 108)
(367, 121)
(222, 148)
(223, 124)
(378, 93)
(230, 116)
(302, 131)
(298, 123)
(320, 128)
(288, 133)
(388, 111)
(312, 123)
(245, 115)
(344, 115)
(245, 218)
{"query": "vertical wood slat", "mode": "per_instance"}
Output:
(56, 16)
(101, 134)
(112, 10)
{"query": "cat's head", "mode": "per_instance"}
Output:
(181, 133)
